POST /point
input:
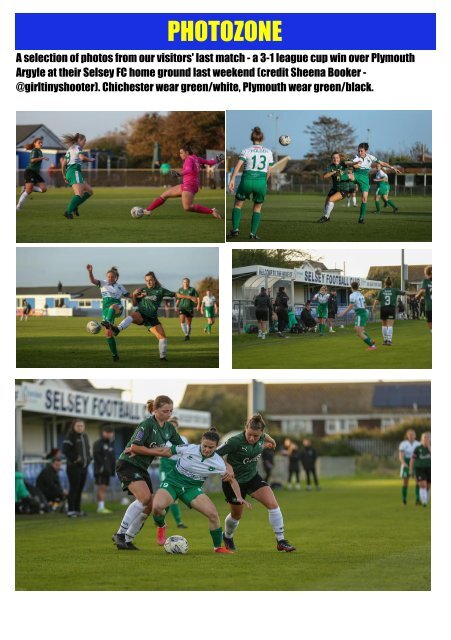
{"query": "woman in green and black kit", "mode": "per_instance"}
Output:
(147, 301)
(33, 179)
(149, 439)
(187, 306)
(420, 464)
(243, 452)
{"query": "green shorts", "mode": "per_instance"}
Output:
(361, 317)
(404, 472)
(74, 175)
(383, 189)
(186, 493)
(322, 311)
(209, 312)
(363, 180)
(251, 187)
(117, 314)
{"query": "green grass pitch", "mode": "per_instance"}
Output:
(411, 349)
(106, 218)
(64, 342)
(293, 217)
(355, 534)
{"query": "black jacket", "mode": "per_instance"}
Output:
(49, 483)
(104, 458)
(262, 301)
(281, 303)
(308, 457)
(332, 304)
(307, 319)
(76, 449)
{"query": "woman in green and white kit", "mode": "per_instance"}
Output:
(362, 164)
(166, 466)
(147, 301)
(112, 308)
(209, 310)
(322, 310)
(357, 303)
(71, 168)
(256, 162)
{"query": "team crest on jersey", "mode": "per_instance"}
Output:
(139, 436)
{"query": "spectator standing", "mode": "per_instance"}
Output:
(104, 465)
(268, 463)
(78, 456)
(263, 310)
(281, 308)
(294, 458)
(48, 482)
(308, 459)
(332, 310)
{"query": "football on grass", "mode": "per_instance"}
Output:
(176, 544)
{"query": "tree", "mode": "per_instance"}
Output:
(288, 258)
(208, 283)
(114, 142)
(328, 135)
(228, 411)
(418, 151)
(143, 132)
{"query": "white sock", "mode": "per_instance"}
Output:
(230, 525)
(328, 209)
(384, 332)
(276, 522)
(136, 526)
(354, 200)
(183, 327)
(101, 504)
(126, 322)
(348, 204)
(38, 189)
(424, 496)
(162, 344)
(133, 510)
(22, 198)
(389, 333)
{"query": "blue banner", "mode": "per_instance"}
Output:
(175, 32)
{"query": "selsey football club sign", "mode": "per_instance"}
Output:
(67, 402)
(317, 277)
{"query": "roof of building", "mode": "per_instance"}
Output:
(81, 291)
(415, 271)
(27, 132)
(334, 398)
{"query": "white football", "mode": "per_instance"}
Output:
(176, 544)
(285, 141)
(93, 327)
(137, 212)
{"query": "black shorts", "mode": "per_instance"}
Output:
(331, 315)
(249, 487)
(101, 478)
(149, 321)
(128, 473)
(423, 474)
(388, 313)
(429, 316)
(344, 194)
(185, 312)
(262, 315)
(33, 177)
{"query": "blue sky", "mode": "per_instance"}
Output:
(389, 130)
(45, 266)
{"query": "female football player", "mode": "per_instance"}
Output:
(112, 308)
(420, 462)
(209, 310)
(243, 452)
(190, 183)
(147, 300)
(194, 465)
(383, 190)
(186, 307)
(362, 164)
(387, 298)
(343, 185)
(406, 449)
(166, 465)
(322, 310)
(149, 439)
(33, 179)
(426, 291)
(71, 169)
(357, 303)
(256, 162)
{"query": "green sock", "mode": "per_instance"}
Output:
(216, 536)
(417, 493)
(74, 203)
(404, 494)
(159, 520)
(112, 345)
(321, 328)
(362, 210)
(110, 314)
(378, 206)
(85, 196)
(236, 218)
(175, 510)
(367, 340)
(255, 222)
(391, 204)
(208, 328)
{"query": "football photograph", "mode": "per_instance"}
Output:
(332, 309)
(349, 176)
(117, 307)
(169, 485)
(120, 176)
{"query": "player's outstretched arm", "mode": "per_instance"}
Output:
(236, 490)
(92, 279)
(140, 450)
(237, 169)
(343, 313)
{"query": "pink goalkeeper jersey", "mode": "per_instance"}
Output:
(191, 169)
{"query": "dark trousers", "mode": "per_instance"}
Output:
(282, 319)
(313, 472)
(294, 471)
(77, 478)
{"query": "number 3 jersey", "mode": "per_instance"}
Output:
(257, 160)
